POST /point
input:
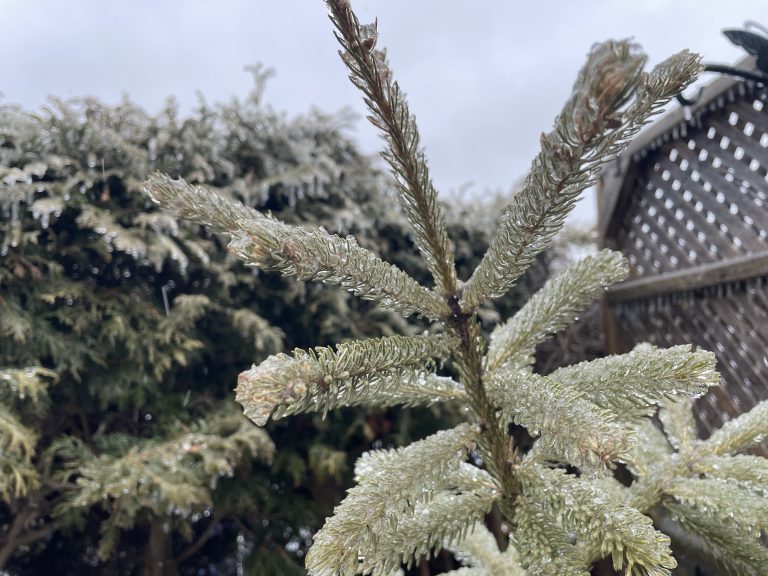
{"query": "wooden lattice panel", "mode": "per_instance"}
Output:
(702, 196)
(730, 320)
(691, 215)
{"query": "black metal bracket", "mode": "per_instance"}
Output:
(753, 38)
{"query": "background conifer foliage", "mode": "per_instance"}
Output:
(562, 506)
(123, 329)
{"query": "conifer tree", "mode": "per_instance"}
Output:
(563, 507)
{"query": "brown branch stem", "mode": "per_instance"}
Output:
(195, 547)
(495, 444)
(14, 536)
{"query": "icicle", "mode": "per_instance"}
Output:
(164, 290)
(241, 551)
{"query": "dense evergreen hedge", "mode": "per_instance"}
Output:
(122, 331)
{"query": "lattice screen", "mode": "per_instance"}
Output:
(731, 320)
(702, 196)
(697, 195)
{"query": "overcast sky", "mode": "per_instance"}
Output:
(484, 77)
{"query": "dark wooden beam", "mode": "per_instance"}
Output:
(706, 275)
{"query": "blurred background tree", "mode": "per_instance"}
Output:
(122, 331)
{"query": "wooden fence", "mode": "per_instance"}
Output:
(688, 205)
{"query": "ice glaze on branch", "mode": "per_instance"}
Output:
(267, 243)
(351, 542)
(577, 430)
(378, 371)
(554, 307)
(480, 550)
(317, 255)
(746, 431)
(606, 526)
(632, 385)
(198, 204)
(410, 501)
(370, 72)
(595, 124)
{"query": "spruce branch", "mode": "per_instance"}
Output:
(447, 516)
(374, 371)
(546, 547)
(494, 444)
(724, 543)
(596, 124)
(650, 449)
(221, 213)
(555, 306)
(730, 488)
(576, 429)
(750, 472)
(746, 431)
(724, 500)
(466, 477)
(317, 255)
(410, 501)
(480, 550)
(679, 424)
(370, 73)
(423, 390)
(606, 526)
(351, 539)
(265, 242)
(632, 385)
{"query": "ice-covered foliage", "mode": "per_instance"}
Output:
(559, 499)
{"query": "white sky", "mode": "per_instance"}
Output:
(484, 77)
